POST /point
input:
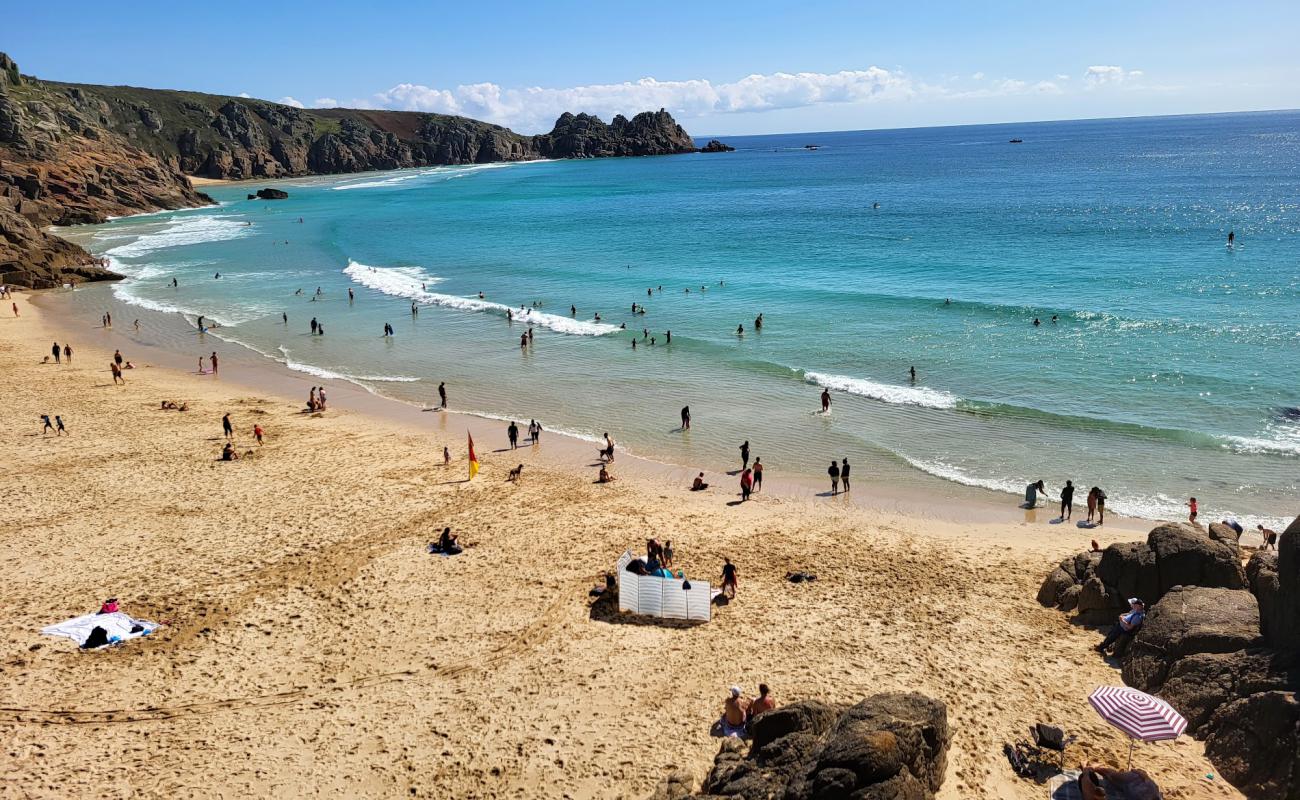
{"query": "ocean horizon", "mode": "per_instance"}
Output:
(1162, 366)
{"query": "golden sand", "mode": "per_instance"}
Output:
(313, 646)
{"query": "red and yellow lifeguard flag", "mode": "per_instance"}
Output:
(473, 459)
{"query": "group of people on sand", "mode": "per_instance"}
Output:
(228, 453)
(738, 711)
(65, 351)
(1096, 500)
(316, 399)
(534, 433)
(172, 405)
(55, 427)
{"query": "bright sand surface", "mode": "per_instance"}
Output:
(313, 646)
(197, 181)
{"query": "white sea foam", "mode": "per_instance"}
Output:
(406, 282)
(1277, 439)
(885, 392)
(331, 375)
(446, 173)
(180, 232)
(1159, 507)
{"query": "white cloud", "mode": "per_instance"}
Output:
(325, 102)
(978, 76)
(1047, 87)
(535, 108)
(291, 101)
(245, 95)
(1097, 76)
(1062, 77)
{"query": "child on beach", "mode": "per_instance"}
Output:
(257, 433)
(49, 426)
(668, 553)
(446, 456)
(1191, 505)
(117, 373)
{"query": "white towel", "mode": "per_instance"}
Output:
(117, 625)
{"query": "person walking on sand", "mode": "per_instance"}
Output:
(844, 474)
(67, 353)
(744, 454)
(48, 426)
(214, 362)
(446, 455)
(58, 424)
(729, 578)
(1191, 506)
(686, 418)
(227, 428)
(320, 398)
(834, 471)
(117, 357)
(14, 306)
(117, 373)
(746, 484)
(257, 433)
(442, 394)
(513, 433)
(826, 401)
(535, 432)
(758, 473)
(1101, 506)
(1067, 500)
(57, 351)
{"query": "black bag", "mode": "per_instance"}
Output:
(98, 638)
(1049, 736)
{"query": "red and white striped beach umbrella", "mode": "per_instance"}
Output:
(1138, 714)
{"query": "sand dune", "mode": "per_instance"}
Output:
(313, 646)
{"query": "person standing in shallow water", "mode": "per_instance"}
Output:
(834, 472)
(826, 400)
(844, 474)
(686, 418)
(442, 394)
(744, 454)
(758, 473)
(513, 434)
(1067, 500)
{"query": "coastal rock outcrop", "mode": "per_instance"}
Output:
(271, 194)
(1222, 644)
(714, 146)
(78, 153)
(892, 745)
(1190, 620)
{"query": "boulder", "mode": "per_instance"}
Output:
(1096, 605)
(1262, 578)
(1186, 556)
(1221, 532)
(1285, 629)
(1129, 569)
(1189, 620)
(1255, 743)
(272, 194)
(1199, 684)
(888, 747)
(714, 146)
(1054, 587)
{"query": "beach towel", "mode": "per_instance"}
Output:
(118, 627)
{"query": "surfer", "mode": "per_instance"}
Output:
(1232, 237)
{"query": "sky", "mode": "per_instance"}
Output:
(721, 68)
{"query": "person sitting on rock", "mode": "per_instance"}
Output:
(734, 713)
(1128, 625)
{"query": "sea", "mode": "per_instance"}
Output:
(1069, 302)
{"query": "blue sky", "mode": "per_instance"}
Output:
(721, 68)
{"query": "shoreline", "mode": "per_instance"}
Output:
(310, 641)
(955, 502)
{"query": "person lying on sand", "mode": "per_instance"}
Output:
(1099, 782)
(699, 485)
(734, 713)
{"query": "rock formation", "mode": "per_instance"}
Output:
(78, 153)
(714, 146)
(890, 746)
(1222, 645)
(271, 194)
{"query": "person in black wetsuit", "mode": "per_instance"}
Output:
(1067, 500)
(686, 418)
(744, 454)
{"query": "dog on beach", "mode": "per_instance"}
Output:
(515, 473)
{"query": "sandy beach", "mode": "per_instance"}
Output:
(312, 646)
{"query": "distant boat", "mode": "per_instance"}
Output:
(1017, 141)
(810, 147)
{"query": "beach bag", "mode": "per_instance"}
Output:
(1049, 736)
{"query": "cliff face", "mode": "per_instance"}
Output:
(78, 153)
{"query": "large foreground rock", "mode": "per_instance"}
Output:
(1186, 621)
(888, 747)
(1255, 743)
(1284, 621)
(1199, 684)
(1187, 556)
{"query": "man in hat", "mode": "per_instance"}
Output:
(1128, 624)
(735, 710)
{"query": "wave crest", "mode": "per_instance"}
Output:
(884, 392)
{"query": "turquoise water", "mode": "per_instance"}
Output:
(1172, 369)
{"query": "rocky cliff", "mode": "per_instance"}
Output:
(77, 153)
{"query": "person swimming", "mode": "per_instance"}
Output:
(740, 330)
